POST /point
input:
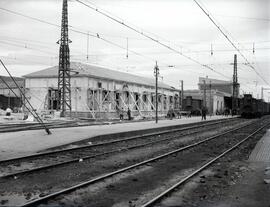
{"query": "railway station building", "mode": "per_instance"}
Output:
(99, 92)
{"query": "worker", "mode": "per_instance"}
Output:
(121, 115)
(170, 112)
(129, 114)
(204, 110)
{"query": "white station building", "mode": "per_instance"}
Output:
(98, 92)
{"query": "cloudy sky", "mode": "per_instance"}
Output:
(28, 45)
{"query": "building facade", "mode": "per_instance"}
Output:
(7, 97)
(225, 87)
(98, 92)
(214, 100)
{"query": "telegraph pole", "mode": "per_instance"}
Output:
(87, 56)
(156, 73)
(180, 91)
(235, 86)
(64, 65)
(182, 94)
(210, 99)
(204, 94)
(127, 49)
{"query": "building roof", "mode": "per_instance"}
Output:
(213, 81)
(198, 94)
(10, 82)
(85, 70)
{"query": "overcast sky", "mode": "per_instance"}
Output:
(27, 45)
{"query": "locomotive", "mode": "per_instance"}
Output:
(253, 108)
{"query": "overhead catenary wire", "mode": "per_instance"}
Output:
(86, 33)
(247, 18)
(97, 35)
(149, 37)
(73, 29)
(230, 41)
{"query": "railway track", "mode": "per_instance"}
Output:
(12, 127)
(235, 143)
(58, 158)
(181, 182)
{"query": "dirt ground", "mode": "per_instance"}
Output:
(232, 182)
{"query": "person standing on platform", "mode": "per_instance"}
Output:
(204, 110)
(121, 115)
(129, 114)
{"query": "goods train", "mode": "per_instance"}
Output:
(247, 106)
(252, 108)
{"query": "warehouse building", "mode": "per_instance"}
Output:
(98, 92)
(7, 98)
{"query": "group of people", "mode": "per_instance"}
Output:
(170, 113)
(121, 114)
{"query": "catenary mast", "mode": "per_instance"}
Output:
(235, 87)
(64, 103)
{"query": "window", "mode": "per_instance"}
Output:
(53, 99)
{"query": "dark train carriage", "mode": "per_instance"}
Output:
(192, 105)
(247, 106)
(259, 105)
(228, 105)
(251, 107)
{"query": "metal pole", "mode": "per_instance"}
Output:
(156, 72)
(127, 49)
(235, 83)
(76, 100)
(210, 99)
(32, 112)
(204, 94)
(87, 56)
(8, 98)
(182, 94)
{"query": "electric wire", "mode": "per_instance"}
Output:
(150, 37)
(230, 41)
(112, 43)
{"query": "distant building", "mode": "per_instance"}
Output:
(214, 100)
(217, 96)
(98, 92)
(7, 98)
(218, 85)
